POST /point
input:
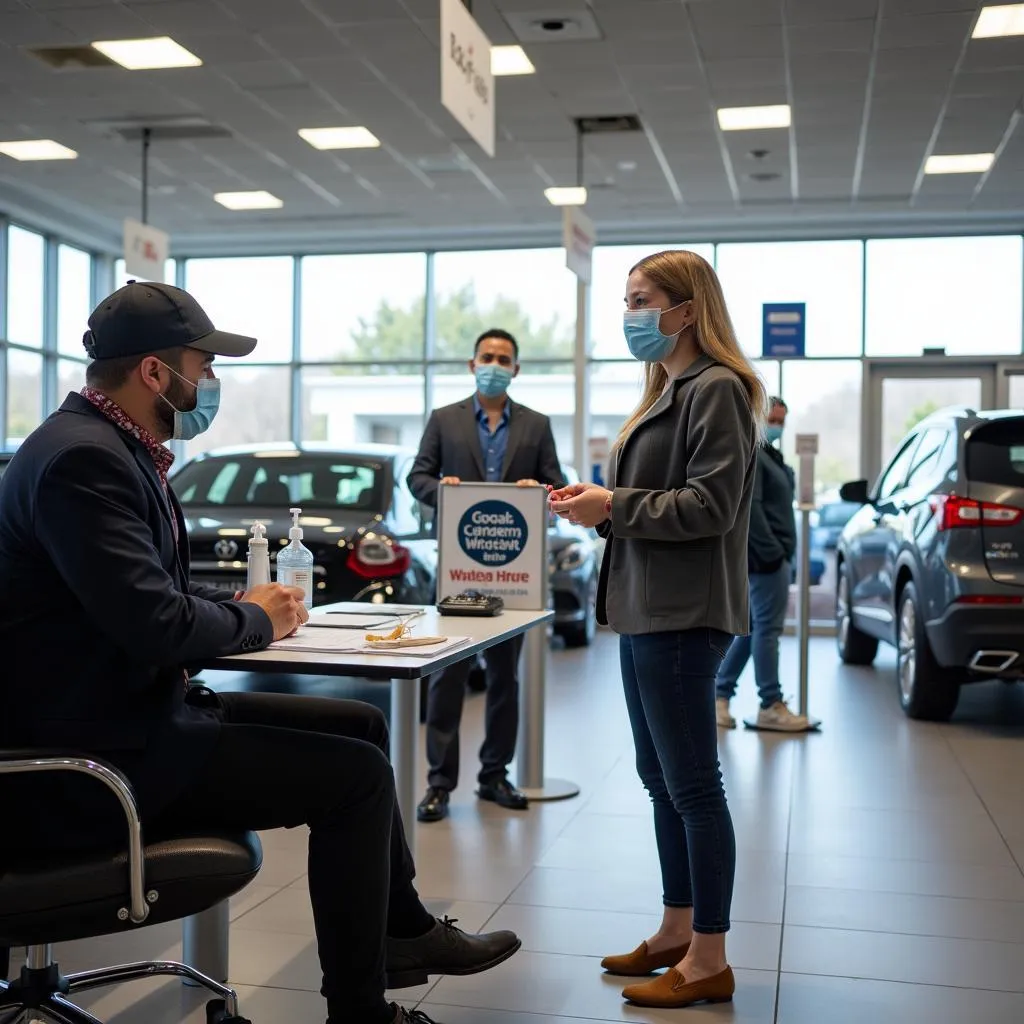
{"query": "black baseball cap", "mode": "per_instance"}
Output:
(144, 317)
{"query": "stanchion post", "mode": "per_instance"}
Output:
(806, 450)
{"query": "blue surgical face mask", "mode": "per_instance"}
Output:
(491, 380)
(643, 336)
(191, 423)
(773, 433)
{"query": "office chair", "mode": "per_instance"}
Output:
(48, 898)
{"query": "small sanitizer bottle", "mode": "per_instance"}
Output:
(259, 557)
(295, 562)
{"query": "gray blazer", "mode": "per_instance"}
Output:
(676, 556)
(451, 447)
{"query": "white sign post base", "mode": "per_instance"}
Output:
(494, 538)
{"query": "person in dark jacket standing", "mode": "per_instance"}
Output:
(484, 438)
(771, 547)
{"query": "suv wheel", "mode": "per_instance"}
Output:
(855, 647)
(927, 690)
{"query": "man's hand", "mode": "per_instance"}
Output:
(527, 483)
(283, 606)
(450, 481)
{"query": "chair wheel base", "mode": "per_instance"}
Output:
(217, 1013)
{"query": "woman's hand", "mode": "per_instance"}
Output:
(582, 504)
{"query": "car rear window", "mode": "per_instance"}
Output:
(308, 481)
(995, 454)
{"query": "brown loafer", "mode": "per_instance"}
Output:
(671, 990)
(640, 963)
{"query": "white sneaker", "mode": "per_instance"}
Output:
(780, 719)
(725, 720)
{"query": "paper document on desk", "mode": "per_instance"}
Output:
(339, 641)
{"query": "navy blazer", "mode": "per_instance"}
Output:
(451, 447)
(98, 619)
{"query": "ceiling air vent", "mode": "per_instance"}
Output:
(71, 58)
(558, 25)
(609, 123)
(764, 176)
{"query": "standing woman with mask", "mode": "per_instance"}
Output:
(674, 587)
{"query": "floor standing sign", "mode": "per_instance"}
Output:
(494, 538)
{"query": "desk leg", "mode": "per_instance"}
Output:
(405, 744)
(204, 942)
(530, 744)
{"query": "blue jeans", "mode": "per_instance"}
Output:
(669, 682)
(769, 598)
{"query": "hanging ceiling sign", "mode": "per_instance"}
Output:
(467, 85)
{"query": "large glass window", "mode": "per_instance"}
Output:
(70, 377)
(74, 298)
(255, 407)
(528, 292)
(24, 394)
(962, 295)
(824, 399)
(363, 308)
(340, 409)
(248, 295)
(608, 288)
(25, 276)
(827, 276)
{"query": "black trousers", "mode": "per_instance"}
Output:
(284, 761)
(445, 698)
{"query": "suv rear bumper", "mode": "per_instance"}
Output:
(964, 630)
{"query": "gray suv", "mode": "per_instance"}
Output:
(933, 562)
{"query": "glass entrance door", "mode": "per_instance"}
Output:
(899, 393)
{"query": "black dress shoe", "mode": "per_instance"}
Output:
(434, 806)
(504, 794)
(446, 949)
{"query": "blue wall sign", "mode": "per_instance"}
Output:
(784, 330)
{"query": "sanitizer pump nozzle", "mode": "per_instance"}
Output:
(295, 562)
(259, 557)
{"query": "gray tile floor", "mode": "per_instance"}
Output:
(880, 875)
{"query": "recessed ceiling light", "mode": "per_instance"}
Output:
(147, 54)
(749, 119)
(566, 195)
(510, 60)
(37, 149)
(248, 200)
(959, 163)
(356, 137)
(1001, 20)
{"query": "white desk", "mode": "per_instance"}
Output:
(205, 936)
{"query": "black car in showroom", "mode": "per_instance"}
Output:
(370, 538)
(365, 529)
(933, 563)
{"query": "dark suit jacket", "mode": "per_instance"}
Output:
(97, 615)
(451, 447)
(676, 556)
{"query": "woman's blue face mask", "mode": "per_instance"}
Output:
(643, 333)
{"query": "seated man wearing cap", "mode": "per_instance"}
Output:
(98, 623)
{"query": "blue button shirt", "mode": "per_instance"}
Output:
(493, 446)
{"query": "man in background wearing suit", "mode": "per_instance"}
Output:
(485, 438)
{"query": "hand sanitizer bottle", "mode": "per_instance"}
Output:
(259, 557)
(295, 562)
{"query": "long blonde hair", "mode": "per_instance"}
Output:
(683, 275)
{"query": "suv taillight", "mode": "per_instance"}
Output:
(374, 557)
(956, 513)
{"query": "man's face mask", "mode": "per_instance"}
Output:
(190, 423)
